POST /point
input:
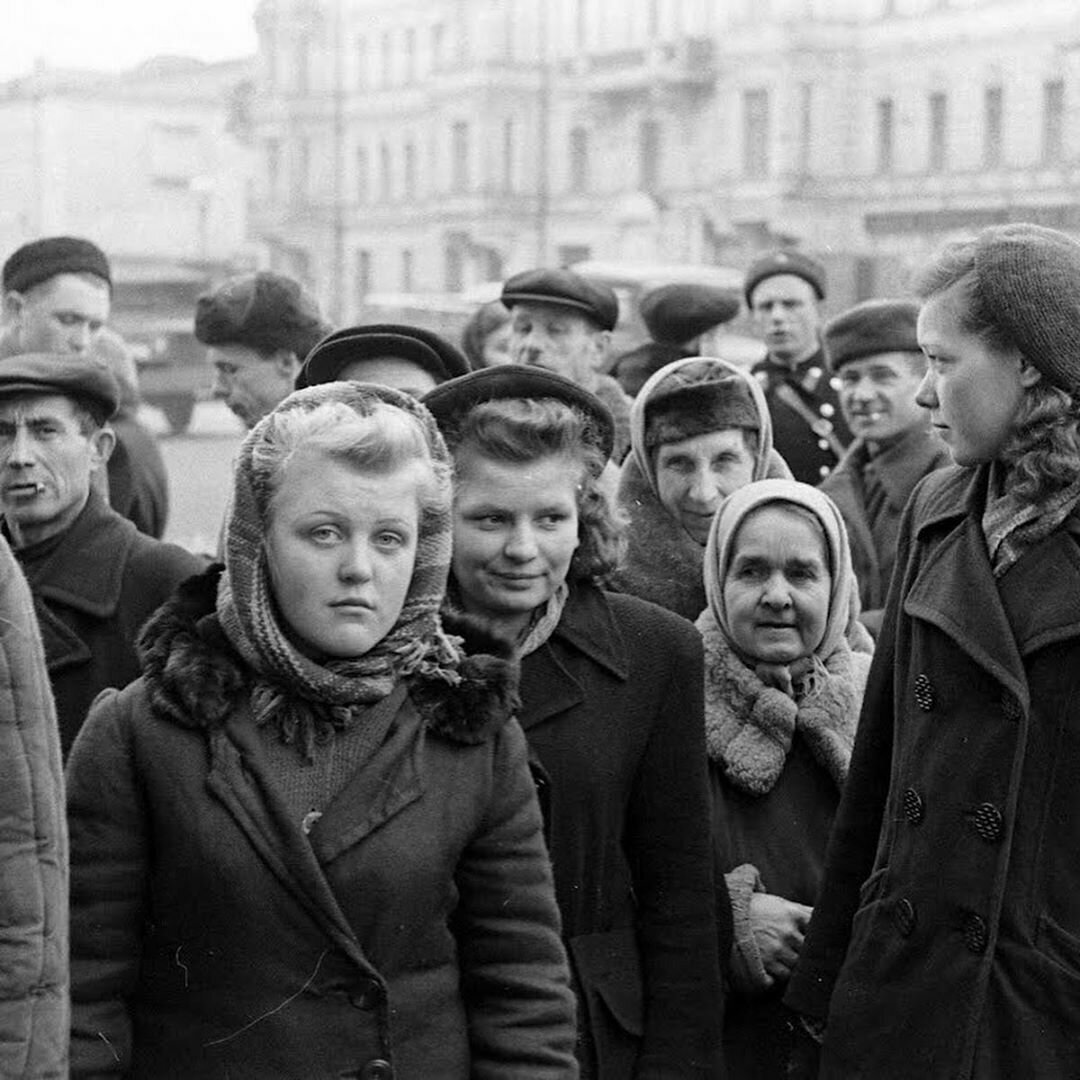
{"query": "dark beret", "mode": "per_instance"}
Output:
(42, 259)
(632, 369)
(85, 378)
(787, 261)
(677, 313)
(567, 289)
(354, 343)
(455, 398)
(264, 310)
(874, 326)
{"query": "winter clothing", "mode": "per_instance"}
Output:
(869, 328)
(944, 941)
(36, 262)
(679, 312)
(34, 1010)
(138, 481)
(612, 395)
(566, 289)
(83, 378)
(93, 587)
(413, 929)
(663, 562)
(632, 369)
(777, 764)
(787, 261)
(871, 493)
(611, 707)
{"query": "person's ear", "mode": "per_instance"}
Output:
(602, 342)
(14, 304)
(102, 443)
(288, 364)
(1029, 373)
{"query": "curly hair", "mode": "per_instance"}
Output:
(518, 431)
(1042, 453)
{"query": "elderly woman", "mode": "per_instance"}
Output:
(946, 941)
(611, 706)
(306, 842)
(699, 429)
(785, 672)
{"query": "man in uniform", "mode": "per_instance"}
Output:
(93, 576)
(563, 322)
(259, 328)
(783, 291)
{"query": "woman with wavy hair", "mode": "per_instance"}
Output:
(946, 940)
(611, 690)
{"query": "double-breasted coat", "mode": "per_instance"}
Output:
(413, 934)
(612, 709)
(946, 941)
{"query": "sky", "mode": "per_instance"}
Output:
(114, 34)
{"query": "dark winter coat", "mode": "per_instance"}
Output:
(946, 942)
(34, 1012)
(92, 593)
(412, 934)
(138, 482)
(612, 708)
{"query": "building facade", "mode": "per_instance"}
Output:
(429, 145)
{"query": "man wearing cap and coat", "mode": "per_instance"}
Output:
(57, 297)
(93, 576)
(783, 291)
(873, 350)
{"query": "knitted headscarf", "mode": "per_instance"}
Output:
(304, 698)
(749, 725)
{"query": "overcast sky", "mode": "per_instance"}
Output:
(114, 34)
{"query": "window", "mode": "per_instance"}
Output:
(387, 58)
(508, 155)
(273, 169)
(363, 176)
(459, 156)
(756, 133)
(363, 76)
(581, 25)
(454, 263)
(992, 113)
(365, 281)
(386, 174)
(939, 117)
(649, 155)
(301, 65)
(886, 134)
(301, 165)
(410, 55)
(579, 160)
(1053, 146)
(409, 170)
(438, 46)
(806, 128)
(406, 271)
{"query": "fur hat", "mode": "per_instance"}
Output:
(869, 328)
(564, 288)
(787, 261)
(677, 313)
(42, 259)
(695, 400)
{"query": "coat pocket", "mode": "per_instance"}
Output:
(608, 971)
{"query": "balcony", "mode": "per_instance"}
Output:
(687, 65)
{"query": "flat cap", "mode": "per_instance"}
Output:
(455, 398)
(42, 259)
(356, 343)
(785, 261)
(677, 313)
(262, 310)
(874, 326)
(566, 289)
(82, 377)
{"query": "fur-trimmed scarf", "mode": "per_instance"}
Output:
(749, 726)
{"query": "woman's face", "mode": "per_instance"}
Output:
(496, 348)
(777, 587)
(973, 390)
(515, 532)
(340, 547)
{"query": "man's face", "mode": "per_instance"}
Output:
(558, 338)
(877, 395)
(693, 476)
(393, 371)
(785, 310)
(46, 462)
(248, 382)
(61, 315)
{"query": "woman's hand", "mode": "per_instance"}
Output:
(785, 677)
(779, 927)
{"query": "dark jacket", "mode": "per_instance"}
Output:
(900, 467)
(612, 708)
(946, 941)
(92, 593)
(805, 449)
(412, 934)
(138, 482)
(34, 1011)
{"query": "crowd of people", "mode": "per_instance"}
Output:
(546, 712)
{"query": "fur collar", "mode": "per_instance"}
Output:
(196, 679)
(749, 727)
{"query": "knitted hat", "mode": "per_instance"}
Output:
(869, 328)
(264, 311)
(677, 313)
(42, 259)
(1030, 278)
(83, 378)
(564, 288)
(787, 261)
(357, 343)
